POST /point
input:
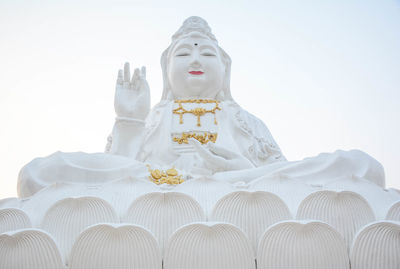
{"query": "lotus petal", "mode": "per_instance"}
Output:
(118, 246)
(252, 212)
(13, 219)
(292, 192)
(37, 206)
(302, 245)
(377, 245)
(67, 218)
(121, 193)
(29, 249)
(206, 191)
(378, 198)
(163, 213)
(345, 211)
(209, 246)
(394, 212)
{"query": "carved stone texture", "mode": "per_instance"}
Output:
(379, 199)
(302, 245)
(29, 249)
(209, 246)
(394, 212)
(346, 211)
(13, 219)
(206, 191)
(290, 191)
(377, 245)
(252, 212)
(67, 218)
(163, 213)
(37, 205)
(118, 246)
(121, 193)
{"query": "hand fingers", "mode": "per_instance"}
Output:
(120, 78)
(135, 79)
(143, 72)
(127, 72)
(223, 152)
(205, 154)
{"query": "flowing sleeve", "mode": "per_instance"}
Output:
(263, 149)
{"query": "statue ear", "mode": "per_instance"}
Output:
(226, 85)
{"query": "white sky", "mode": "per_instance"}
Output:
(323, 75)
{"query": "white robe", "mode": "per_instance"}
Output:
(135, 144)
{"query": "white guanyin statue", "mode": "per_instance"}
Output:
(197, 176)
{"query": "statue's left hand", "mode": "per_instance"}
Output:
(132, 96)
(220, 159)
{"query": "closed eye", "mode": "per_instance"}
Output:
(208, 54)
(182, 54)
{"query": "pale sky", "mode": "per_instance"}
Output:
(322, 75)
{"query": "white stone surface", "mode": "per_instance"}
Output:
(394, 212)
(291, 191)
(10, 202)
(252, 212)
(209, 246)
(231, 176)
(206, 191)
(13, 219)
(37, 205)
(345, 211)
(302, 245)
(121, 193)
(377, 245)
(378, 198)
(67, 218)
(118, 246)
(29, 249)
(163, 213)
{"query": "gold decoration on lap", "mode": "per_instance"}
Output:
(198, 111)
(169, 176)
(202, 138)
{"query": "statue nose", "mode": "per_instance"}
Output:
(195, 61)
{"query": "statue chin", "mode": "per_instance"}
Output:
(196, 89)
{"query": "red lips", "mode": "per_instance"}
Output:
(196, 72)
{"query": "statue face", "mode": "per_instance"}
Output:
(195, 68)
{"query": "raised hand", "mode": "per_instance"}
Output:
(132, 95)
(220, 159)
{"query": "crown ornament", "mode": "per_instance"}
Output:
(194, 24)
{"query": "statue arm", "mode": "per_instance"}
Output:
(132, 105)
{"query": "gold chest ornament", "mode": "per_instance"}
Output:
(205, 137)
(198, 111)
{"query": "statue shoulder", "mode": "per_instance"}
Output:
(264, 149)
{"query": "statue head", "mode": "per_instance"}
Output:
(194, 66)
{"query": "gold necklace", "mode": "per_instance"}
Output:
(198, 111)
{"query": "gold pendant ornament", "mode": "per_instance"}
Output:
(198, 111)
(169, 176)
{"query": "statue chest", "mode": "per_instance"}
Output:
(196, 119)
